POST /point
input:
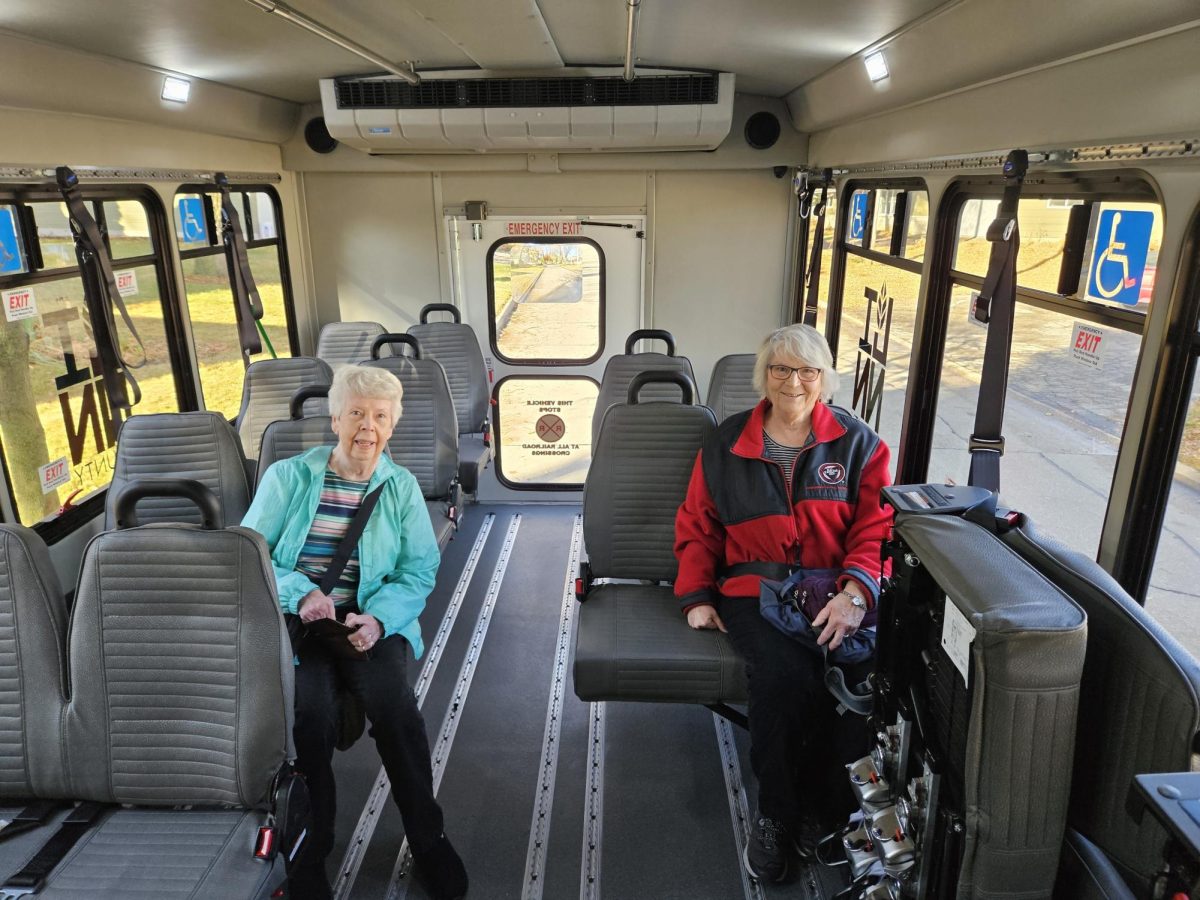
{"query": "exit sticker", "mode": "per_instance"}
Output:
(1087, 345)
(54, 474)
(126, 282)
(19, 304)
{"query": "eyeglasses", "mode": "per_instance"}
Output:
(806, 373)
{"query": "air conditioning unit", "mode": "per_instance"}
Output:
(582, 110)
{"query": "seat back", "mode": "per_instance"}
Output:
(731, 389)
(620, 370)
(342, 343)
(179, 665)
(455, 346)
(639, 477)
(1139, 707)
(267, 394)
(426, 438)
(33, 627)
(201, 446)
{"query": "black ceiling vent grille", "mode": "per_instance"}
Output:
(467, 93)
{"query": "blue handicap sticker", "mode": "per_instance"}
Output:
(1119, 255)
(858, 216)
(10, 247)
(191, 220)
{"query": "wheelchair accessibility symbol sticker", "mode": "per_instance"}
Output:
(1119, 256)
(191, 220)
(858, 216)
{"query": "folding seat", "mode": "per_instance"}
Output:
(633, 641)
(426, 438)
(201, 446)
(1139, 713)
(267, 394)
(731, 389)
(619, 372)
(455, 346)
(342, 343)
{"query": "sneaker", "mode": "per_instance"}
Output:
(768, 852)
(441, 870)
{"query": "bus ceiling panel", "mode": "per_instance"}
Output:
(511, 35)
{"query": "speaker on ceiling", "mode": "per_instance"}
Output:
(762, 130)
(318, 138)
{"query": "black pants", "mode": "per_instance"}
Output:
(395, 724)
(798, 742)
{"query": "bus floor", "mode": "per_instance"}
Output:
(513, 741)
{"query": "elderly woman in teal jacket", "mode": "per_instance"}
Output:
(303, 507)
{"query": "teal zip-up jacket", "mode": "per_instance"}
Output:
(397, 554)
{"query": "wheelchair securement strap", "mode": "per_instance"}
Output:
(32, 816)
(29, 880)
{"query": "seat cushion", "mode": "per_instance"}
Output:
(1086, 873)
(635, 644)
(473, 457)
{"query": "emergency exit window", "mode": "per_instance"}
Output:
(544, 431)
(546, 300)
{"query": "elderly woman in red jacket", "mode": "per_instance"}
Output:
(790, 483)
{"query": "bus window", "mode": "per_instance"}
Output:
(545, 430)
(55, 431)
(546, 300)
(209, 297)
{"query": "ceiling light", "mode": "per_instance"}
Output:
(877, 69)
(176, 89)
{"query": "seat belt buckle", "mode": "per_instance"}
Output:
(264, 846)
(583, 583)
(992, 445)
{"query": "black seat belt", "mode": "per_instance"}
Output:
(995, 307)
(349, 541)
(32, 816)
(100, 295)
(816, 231)
(246, 303)
(30, 879)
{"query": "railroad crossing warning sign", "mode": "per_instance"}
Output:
(550, 428)
(858, 216)
(1119, 256)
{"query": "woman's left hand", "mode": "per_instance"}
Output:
(369, 631)
(840, 619)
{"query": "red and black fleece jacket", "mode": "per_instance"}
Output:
(737, 509)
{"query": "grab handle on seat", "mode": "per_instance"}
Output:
(393, 338)
(659, 376)
(440, 307)
(308, 392)
(651, 334)
(205, 500)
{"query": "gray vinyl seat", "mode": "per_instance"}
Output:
(620, 370)
(455, 346)
(201, 446)
(343, 343)
(633, 641)
(267, 394)
(731, 388)
(426, 438)
(1139, 713)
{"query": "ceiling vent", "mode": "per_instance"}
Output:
(472, 112)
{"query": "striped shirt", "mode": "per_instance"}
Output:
(340, 500)
(784, 455)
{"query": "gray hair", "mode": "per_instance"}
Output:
(368, 382)
(804, 343)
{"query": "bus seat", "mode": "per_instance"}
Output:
(633, 642)
(342, 343)
(1139, 711)
(455, 346)
(201, 446)
(267, 393)
(620, 370)
(426, 438)
(732, 389)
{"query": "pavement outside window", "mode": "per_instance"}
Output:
(546, 300)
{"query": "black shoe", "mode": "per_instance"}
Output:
(767, 856)
(308, 881)
(441, 871)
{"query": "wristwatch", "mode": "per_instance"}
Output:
(856, 600)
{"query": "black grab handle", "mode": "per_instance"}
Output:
(393, 338)
(651, 334)
(660, 376)
(198, 493)
(439, 307)
(308, 392)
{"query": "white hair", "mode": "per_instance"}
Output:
(802, 342)
(368, 382)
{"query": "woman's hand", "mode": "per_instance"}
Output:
(840, 619)
(315, 605)
(369, 631)
(705, 616)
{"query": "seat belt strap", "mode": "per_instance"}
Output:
(995, 306)
(349, 541)
(30, 879)
(32, 816)
(246, 301)
(812, 274)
